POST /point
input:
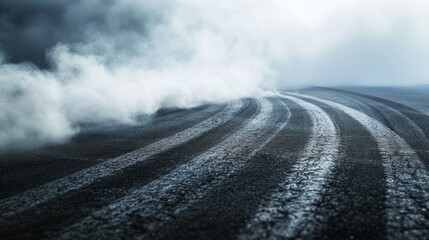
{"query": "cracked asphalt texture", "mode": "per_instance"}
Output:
(325, 163)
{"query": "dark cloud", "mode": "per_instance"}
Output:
(28, 29)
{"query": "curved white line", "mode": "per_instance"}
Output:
(289, 211)
(415, 129)
(185, 185)
(32, 198)
(407, 178)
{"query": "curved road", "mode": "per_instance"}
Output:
(319, 163)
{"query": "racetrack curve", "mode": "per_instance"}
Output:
(319, 163)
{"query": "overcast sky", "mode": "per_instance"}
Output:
(66, 61)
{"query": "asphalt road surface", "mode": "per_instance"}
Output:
(316, 163)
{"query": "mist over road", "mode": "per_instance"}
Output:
(318, 163)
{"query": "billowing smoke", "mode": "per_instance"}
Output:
(64, 62)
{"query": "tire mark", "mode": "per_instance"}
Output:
(419, 118)
(396, 120)
(353, 201)
(54, 214)
(407, 201)
(156, 204)
(23, 171)
(225, 210)
(289, 212)
(32, 198)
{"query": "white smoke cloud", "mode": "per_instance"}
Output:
(144, 55)
(31, 105)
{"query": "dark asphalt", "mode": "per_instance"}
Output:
(214, 185)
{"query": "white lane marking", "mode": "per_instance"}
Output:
(407, 178)
(159, 201)
(289, 211)
(32, 198)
